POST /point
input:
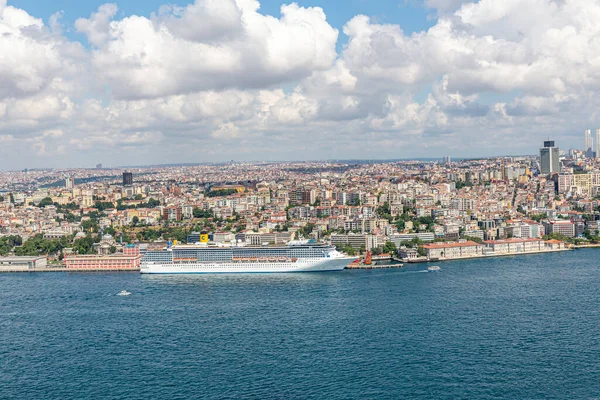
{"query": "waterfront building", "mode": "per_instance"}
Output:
(103, 262)
(555, 245)
(407, 253)
(515, 245)
(454, 250)
(17, 263)
(549, 158)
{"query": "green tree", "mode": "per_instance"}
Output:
(90, 225)
(84, 245)
(474, 239)
(389, 247)
(221, 192)
(7, 243)
(538, 217)
(556, 236)
(307, 229)
(103, 205)
(46, 201)
(200, 213)
(135, 220)
(37, 245)
(385, 211)
(240, 228)
(153, 203)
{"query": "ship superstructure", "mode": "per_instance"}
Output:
(218, 258)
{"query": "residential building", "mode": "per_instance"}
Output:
(566, 228)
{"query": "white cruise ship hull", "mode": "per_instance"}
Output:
(301, 265)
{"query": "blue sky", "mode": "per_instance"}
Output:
(412, 16)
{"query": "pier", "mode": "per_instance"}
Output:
(374, 266)
(373, 262)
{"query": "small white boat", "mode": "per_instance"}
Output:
(123, 293)
(433, 268)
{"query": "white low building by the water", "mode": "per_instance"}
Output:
(22, 263)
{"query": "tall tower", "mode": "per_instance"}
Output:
(587, 139)
(549, 158)
(127, 178)
(69, 183)
(597, 143)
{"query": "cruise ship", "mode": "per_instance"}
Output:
(218, 258)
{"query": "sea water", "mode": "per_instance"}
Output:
(523, 327)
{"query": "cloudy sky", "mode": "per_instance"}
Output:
(148, 81)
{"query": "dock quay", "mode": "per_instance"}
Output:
(63, 269)
(374, 266)
(386, 258)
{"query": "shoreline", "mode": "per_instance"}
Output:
(62, 269)
(401, 263)
(586, 246)
(525, 253)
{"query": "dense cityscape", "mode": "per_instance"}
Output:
(412, 210)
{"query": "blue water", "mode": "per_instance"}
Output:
(519, 328)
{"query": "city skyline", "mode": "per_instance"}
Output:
(136, 83)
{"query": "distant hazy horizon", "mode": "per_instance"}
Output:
(350, 160)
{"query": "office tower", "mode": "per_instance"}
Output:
(549, 158)
(127, 178)
(98, 166)
(587, 139)
(597, 143)
(69, 183)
